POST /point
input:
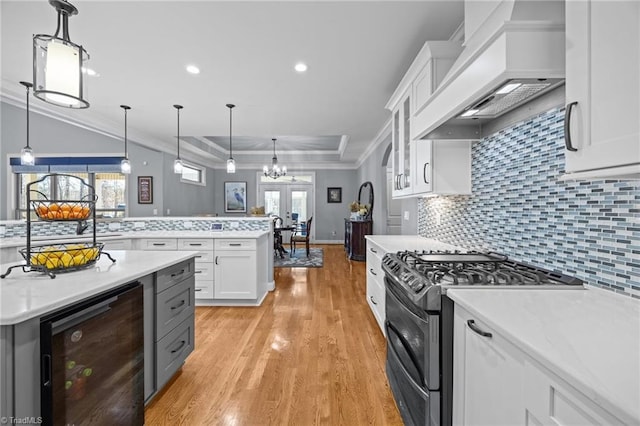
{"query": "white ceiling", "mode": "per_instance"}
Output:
(357, 52)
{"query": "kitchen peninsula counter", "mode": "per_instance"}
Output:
(24, 296)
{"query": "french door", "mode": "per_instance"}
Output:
(288, 201)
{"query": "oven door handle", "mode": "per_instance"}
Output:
(404, 308)
(407, 348)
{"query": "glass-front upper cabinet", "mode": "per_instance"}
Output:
(401, 139)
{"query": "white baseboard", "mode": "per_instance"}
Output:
(328, 242)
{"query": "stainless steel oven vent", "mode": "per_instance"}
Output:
(509, 96)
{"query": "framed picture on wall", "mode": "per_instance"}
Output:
(145, 189)
(235, 197)
(334, 195)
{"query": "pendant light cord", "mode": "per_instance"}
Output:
(126, 108)
(28, 86)
(230, 106)
(28, 117)
(178, 108)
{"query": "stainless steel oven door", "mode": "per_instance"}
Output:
(416, 337)
(417, 405)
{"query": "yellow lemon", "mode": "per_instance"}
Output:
(79, 260)
(52, 263)
(67, 260)
(39, 259)
(74, 249)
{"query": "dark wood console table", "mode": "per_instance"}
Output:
(354, 243)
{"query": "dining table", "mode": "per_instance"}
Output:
(277, 239)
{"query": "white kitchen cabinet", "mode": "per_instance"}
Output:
(400, 139)
(123, 244)
(497, 383)
(550, 401)
(375, 283)
(422, 167)
(9, 254)
(488, 375)
(602, 89)
(156, 244)
(441, 167)
(204, 276)
(235, 265)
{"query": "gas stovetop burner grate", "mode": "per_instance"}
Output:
(455, 268)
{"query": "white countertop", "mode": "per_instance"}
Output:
(589, 338)
(39, 240)
(394, 243)
(29, 295)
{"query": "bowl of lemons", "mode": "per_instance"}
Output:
(62, 257)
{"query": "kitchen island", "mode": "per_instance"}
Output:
(234, 265)
(25, 298)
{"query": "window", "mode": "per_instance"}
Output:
(193, 174)
(109, 187)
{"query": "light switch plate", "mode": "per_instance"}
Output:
(114, 226)
(406, 215)
(188, 224)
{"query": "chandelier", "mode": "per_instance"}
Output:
(275, 171)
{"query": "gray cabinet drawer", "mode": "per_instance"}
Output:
(174, 274)
(173, 349)
(174, 305)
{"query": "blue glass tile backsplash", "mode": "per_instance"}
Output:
(519, 207)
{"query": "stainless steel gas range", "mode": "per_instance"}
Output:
(419, 320)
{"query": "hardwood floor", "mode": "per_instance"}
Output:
(312, 354)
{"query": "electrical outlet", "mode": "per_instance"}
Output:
(138, 225)
(168, 212)
(155, 212)
(114, 226)
(438, 218)
(333, 233)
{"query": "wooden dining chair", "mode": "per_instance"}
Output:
(301, 235)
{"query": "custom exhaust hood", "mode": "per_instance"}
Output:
(514, 51)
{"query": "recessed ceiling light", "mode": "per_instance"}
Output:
(301, 67)
(192, 69)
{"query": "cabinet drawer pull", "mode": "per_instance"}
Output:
(235, 244)
(159, 244)
(195, 244)
(567, 127)
(199, 257)
(177, 273)
(182, 343)
(373, 250)
(179, 305)
(424, 173)
(216, 260)
(373, 272)
(472, 325)
(198, 289)
(372, 300)
(198, 272)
